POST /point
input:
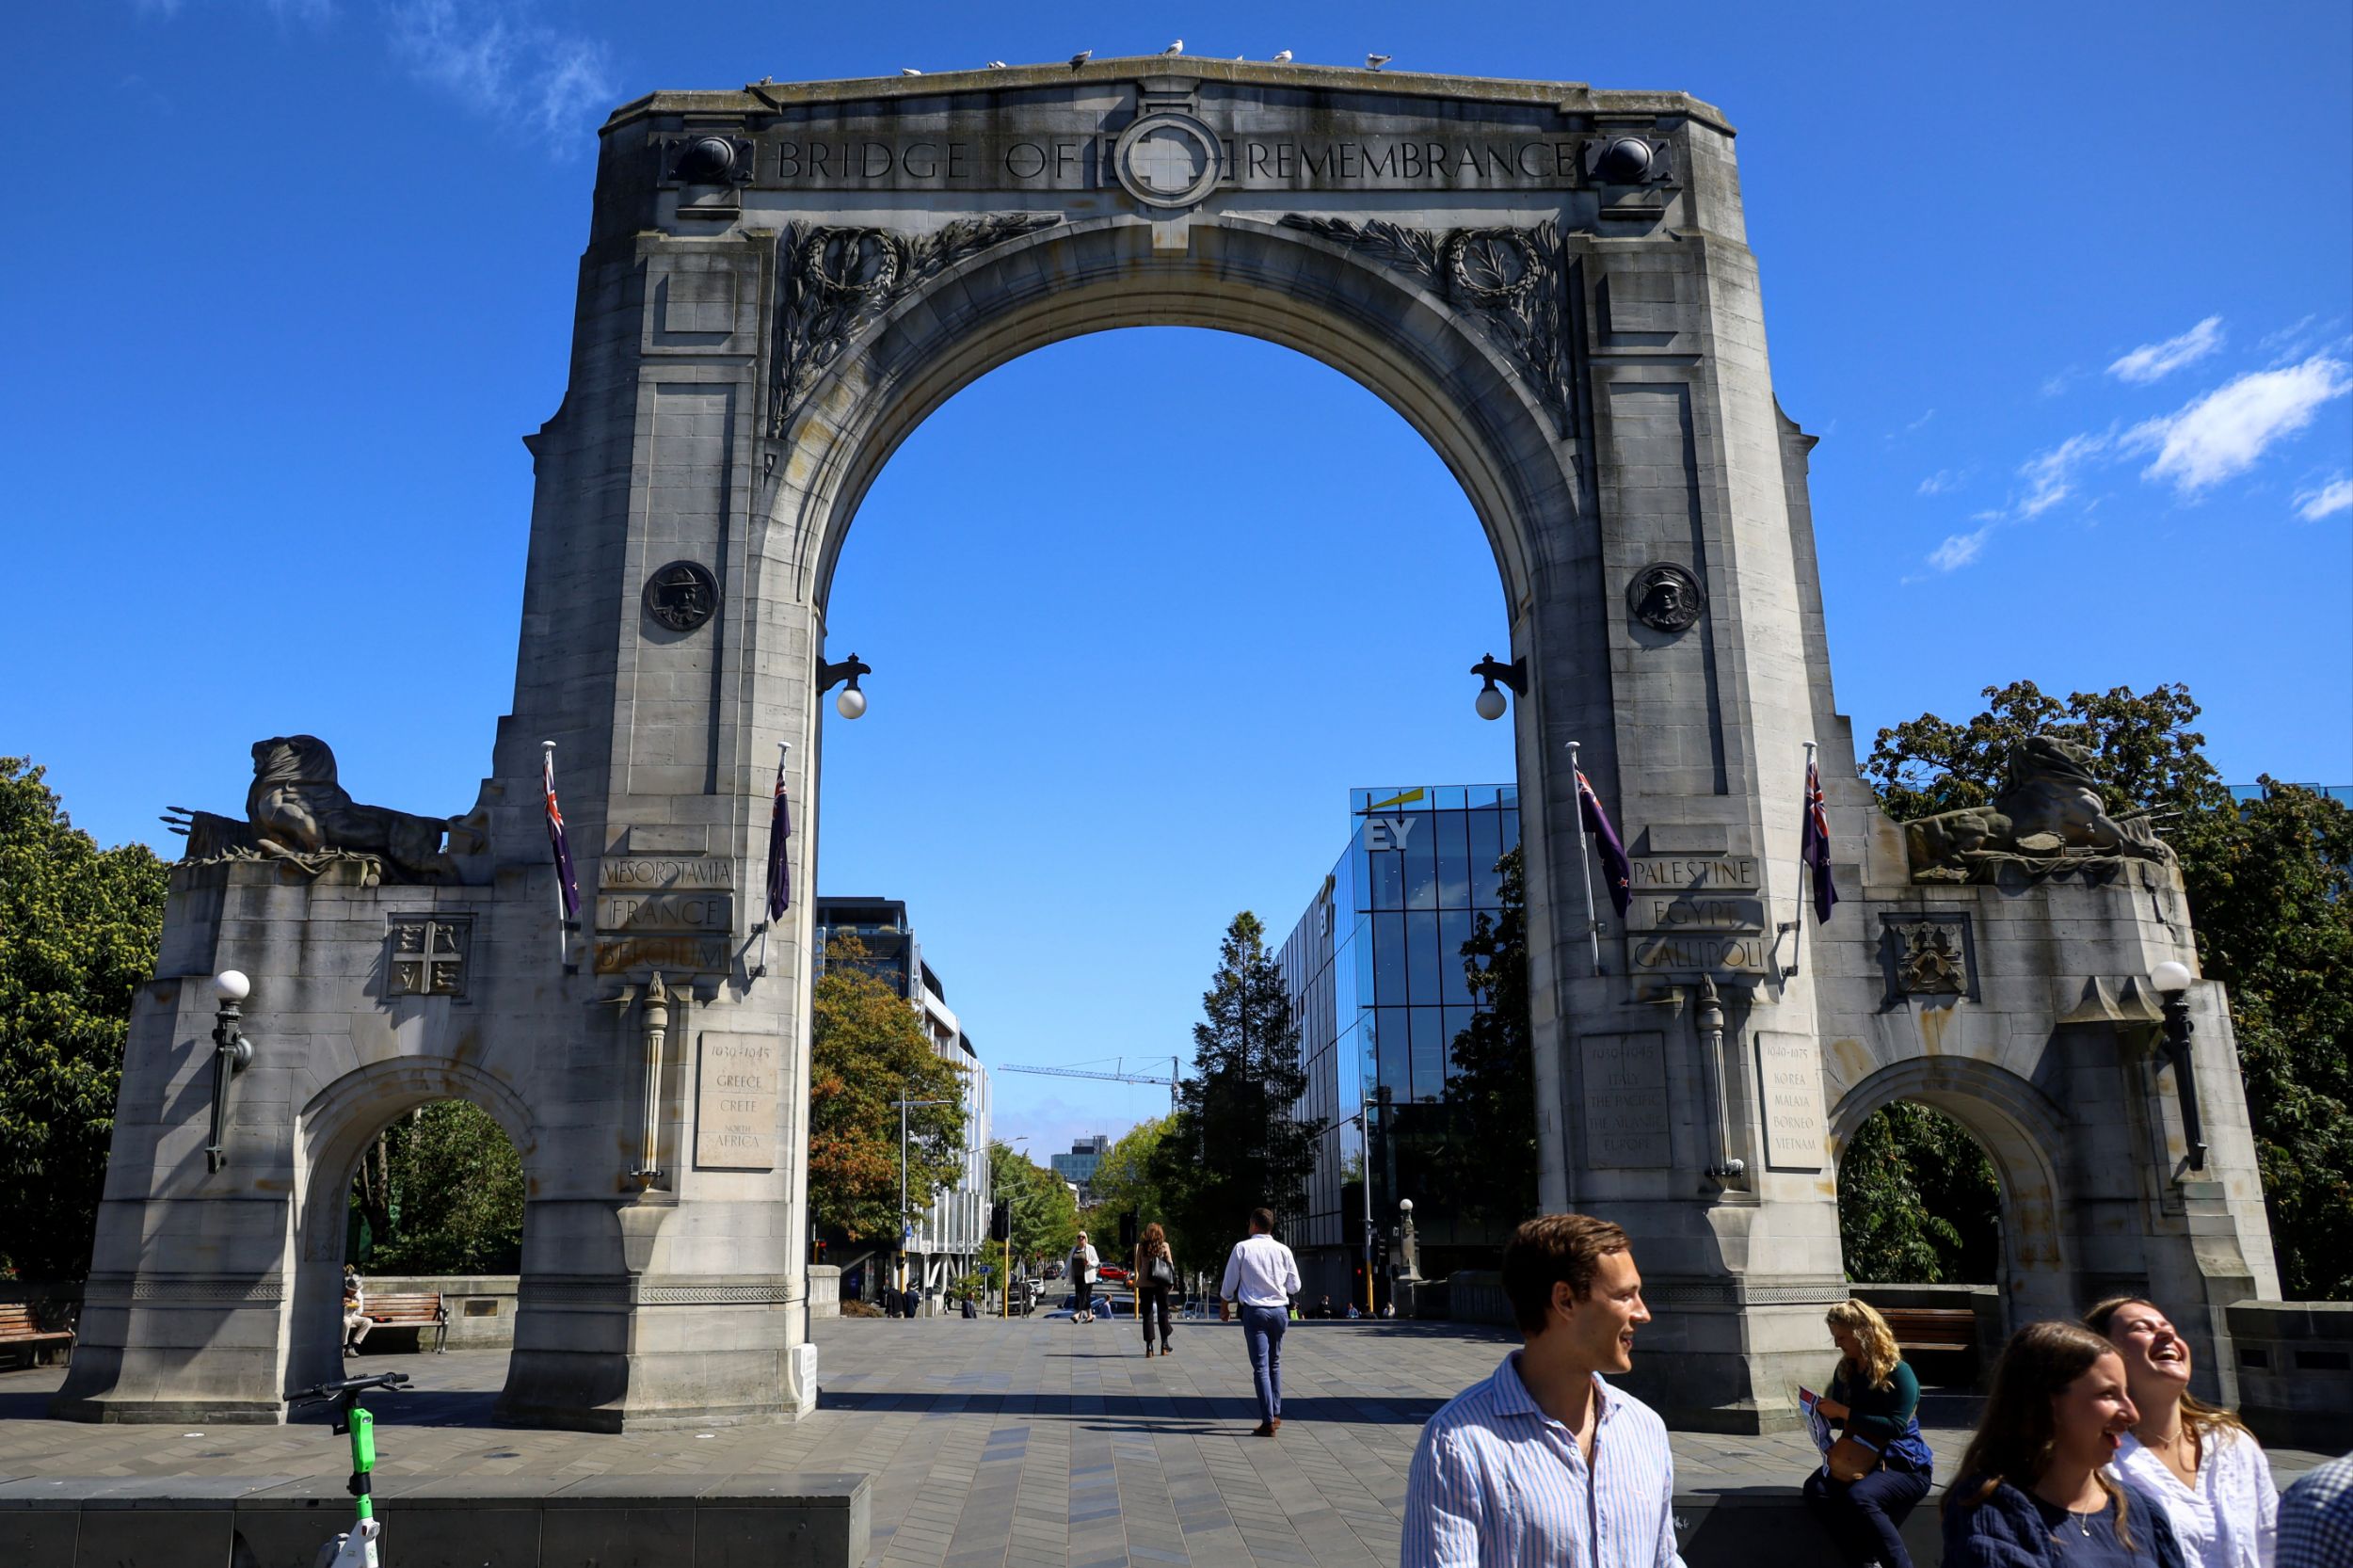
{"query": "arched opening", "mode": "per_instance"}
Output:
(417, 1176)
(1918, 1200)
(1266, 587)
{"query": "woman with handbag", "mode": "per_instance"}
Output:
(1878, 1470)
(2195, 1461)
(1154, 1275)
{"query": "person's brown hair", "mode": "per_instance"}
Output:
(2016, 1434)
(2202, 1420)
(1155, 1238)
(1554, 1249)
(1263, 1219)
(1880, 1355)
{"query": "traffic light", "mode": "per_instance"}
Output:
(1127, 1233)
(1001, 1220)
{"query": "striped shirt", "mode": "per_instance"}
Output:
(1498, 1483)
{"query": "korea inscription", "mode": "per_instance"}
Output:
(736, 1091)
(1791, 1083)
(1626, 1099)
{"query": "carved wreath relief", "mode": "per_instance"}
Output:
(838, 281)
(1512, 279)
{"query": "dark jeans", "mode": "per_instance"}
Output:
(1865, 1517)
(1150, 1300)
(1263, 1332)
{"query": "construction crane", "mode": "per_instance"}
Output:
(1171, 1081)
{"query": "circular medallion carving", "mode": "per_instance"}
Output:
(1490, 265)
(1625, 162)
(852, 260)
(1168, 160)
(707, 161)
(1666, 596)
(682, 595)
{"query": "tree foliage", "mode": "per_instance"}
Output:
(441, 1192)
(1234, 1144)
(78, 932)
(867, 1051)
(1489, 1162)
(1918, 1202)
(1044, 1215)
(2269, 898)
(1132, 1180)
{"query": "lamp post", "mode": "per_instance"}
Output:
(1004, 1289)
(905, 1233)
(1489, 703)
(232, 1051)
(2173, 982)
(852, 703)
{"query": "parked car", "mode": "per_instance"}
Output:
(1111, 1273)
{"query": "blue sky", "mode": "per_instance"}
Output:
(2063, 289)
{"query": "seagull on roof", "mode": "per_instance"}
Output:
(1374, 62)
(1081, 58)
(1176, 48)
(996, 65)
(909, 70)
(1282, 56)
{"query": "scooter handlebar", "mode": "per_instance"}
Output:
(319, 1391)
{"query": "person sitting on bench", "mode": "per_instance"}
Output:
(356, 1320)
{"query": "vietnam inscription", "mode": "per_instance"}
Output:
(735, 1102)
(1626, 1099)
(1790, 1078)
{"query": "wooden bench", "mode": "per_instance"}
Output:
(1932, 1328)
(422, 1310)
(18, 1326)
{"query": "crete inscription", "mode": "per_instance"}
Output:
(1626, 1099)
(735, 1102)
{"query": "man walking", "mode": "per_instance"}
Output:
(1083, 1262)
(1544, 1462)
(1262, 1276)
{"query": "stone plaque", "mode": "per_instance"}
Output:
(1699, 913)
(736, 1090)
(1791, 1083)
(1722, 875)
(672, 956)
(701, 913)
(1626, 1099)
(1704, 952)
(663, 871)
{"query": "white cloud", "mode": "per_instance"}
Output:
(1917, 423)
(498, 63)
(1943, 482)
(2335, 496)
(2058, 381)
(2050, 476)
(2154, 361)
(2224, 432)
(1959, 550)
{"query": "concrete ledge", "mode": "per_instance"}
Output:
(2295, 1371)
(1770, 1527)
(822, 1520)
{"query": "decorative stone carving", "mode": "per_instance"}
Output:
(1168, 160)
(1666, 597)
(428, 955)
(295, 811)
(833, 283)
(1931, 957)
(1512, 280)
(2049, 818)
(682, 595)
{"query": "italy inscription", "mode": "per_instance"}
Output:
(1626, 1099)
(736, 1091)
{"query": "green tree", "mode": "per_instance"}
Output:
(1131, 1180)
(1918, 1202)
(1235, 1143)
(2270, 897)
(78, 932)
(442, 1191)
(867, 1051)
(1488, 1165)
(1044, 1215)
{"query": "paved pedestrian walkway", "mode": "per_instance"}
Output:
(1027, 1443)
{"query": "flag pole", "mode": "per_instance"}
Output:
(563, 920)
(1585, 859)
(1797, 947)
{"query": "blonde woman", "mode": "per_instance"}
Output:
(1154, 1276)
(2200, 1463)
(1873, 1397)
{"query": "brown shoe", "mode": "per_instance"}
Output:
(1277, 1425)
(1264, 1429)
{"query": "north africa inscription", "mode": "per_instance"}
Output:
(736, 1090)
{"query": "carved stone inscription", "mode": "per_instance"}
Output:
(674, 913)
(1626, 1099)
(671, 954)
(1704, 914)
(736, 1091)
(1790, 1083)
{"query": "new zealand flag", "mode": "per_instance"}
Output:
(779, 836)
(1814, 843)
(1616, 869)
(566, 882)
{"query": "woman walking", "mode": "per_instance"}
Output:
(2197, 1461)
(1867, 1487)
(2032, 1493)
(1153, 1273)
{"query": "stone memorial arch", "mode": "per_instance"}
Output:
(1552, 285)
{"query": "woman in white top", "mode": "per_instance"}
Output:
(2200, 1461)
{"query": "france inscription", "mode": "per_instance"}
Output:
(1626, 1099)
(736, 1091)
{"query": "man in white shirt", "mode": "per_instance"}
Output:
(1262, 1276)
(1082, 1265)
(1544, 1462)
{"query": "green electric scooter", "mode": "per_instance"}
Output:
(355, 1547)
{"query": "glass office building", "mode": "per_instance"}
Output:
(1377, 982)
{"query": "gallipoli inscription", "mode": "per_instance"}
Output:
(1701, 913)
(736, 1091)
(1626, 1099)
(1790, 1081)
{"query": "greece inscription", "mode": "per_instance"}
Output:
(736, 1091)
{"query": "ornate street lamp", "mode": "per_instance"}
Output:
(1489, 703)
(232, 1051)
(852, 703)
(2172, 980)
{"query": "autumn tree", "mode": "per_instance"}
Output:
(78, 932)
(868, 1050)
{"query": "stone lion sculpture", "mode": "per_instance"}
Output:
(297, 810)
(2049, 813)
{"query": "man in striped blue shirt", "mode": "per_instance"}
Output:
(1544, 1462)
